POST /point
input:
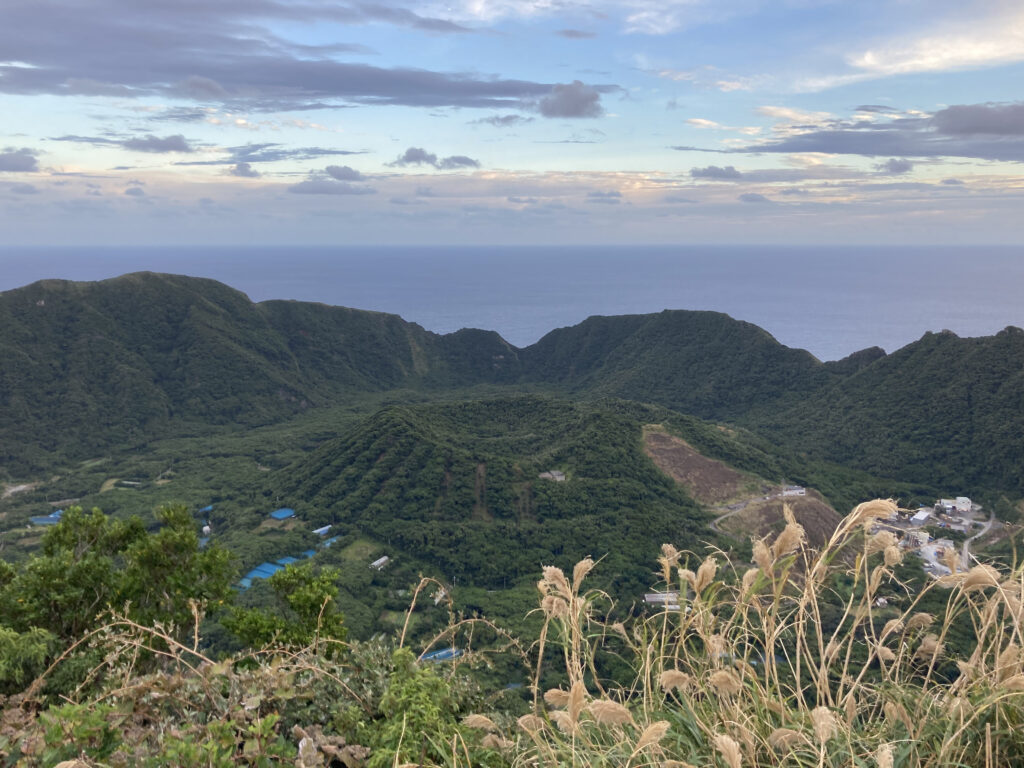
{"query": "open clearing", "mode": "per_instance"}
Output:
(709, 481)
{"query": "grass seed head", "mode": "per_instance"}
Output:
(652, 735)
(762, 555)
(607, 712)
(530, 723)
(580, 571)
(980, 577)
(729, 749)
(883, 756)
(705, 574)
(930, 648)
(480, 722)
(674, 679)
(725, 682)
(920, 620)
(785, 739)
(825, 724)
(790, 540)
(556, 697)
(873, 510)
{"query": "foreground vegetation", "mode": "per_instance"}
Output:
(799, 658)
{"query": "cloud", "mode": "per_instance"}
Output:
(148, 143)
(974, 119)
(245, 171)
(23, 189)
(322, 186)
(952, 182)
(503, 121)
(728, 173)
(752, 197)
(522, 200)
(420, 156)
(269, 153)
(987, 39)
(343, 173)
(135, 192)
(227, 52)
(895, 166)
(571, 100)
(678, 199)
(575, 34)
(612, 197)
(700, 122)
(18, 160)
(980, 131)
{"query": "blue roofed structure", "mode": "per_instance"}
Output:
(51, 519)
(283, 513)
(330, 541)
(445, 654)
(207, 508)
(287, 560)
(309, 553)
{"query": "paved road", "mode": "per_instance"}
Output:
(965, 556)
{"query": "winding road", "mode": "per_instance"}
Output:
(965, 555)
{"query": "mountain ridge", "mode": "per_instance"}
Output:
(116, 362)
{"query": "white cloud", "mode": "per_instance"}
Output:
(791, 116)
(997, 39)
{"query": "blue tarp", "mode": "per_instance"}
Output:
(287, 560)
(283, 513)
(330, 541)
(309, 553)
(207, 509)
(48, 520)
(445, 654)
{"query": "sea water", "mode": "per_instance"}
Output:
(830, 300)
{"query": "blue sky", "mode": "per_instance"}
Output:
(511, 121)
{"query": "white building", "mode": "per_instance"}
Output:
(794, 490)
(921, 516)
(380, 562)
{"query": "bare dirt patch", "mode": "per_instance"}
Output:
(10, 490)
(707, 480)
(762, 518)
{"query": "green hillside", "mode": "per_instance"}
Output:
(91, 367)
(457, 486)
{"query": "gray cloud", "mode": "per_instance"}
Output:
(420, 156)
(503, 121)
(522, 200)
(343, 173)
(613, 197)
(971, 119)
(23, 189)
(269, 153)
(895, 166)
(135, 192)
(575, 34)
(245, 171)
(321, 186)
(678, 199)
(728, 173)
(224, 52)
(980, 131)
(148, 143)
(753, 197)
(18, 160)
(571, 100)
(952, 182)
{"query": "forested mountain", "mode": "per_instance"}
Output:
(118, 362)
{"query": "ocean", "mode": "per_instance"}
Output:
(829, 300)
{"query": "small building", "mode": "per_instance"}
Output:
(51, 519)
(668, 599)
(322, 531)
(794, 490)
(963, 504)
(445, 654)
(921, 516)
(552, 474)
(286, 560)
(283, 513)
(380, 562)
(916, 538)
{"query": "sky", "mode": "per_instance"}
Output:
(328, 122)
